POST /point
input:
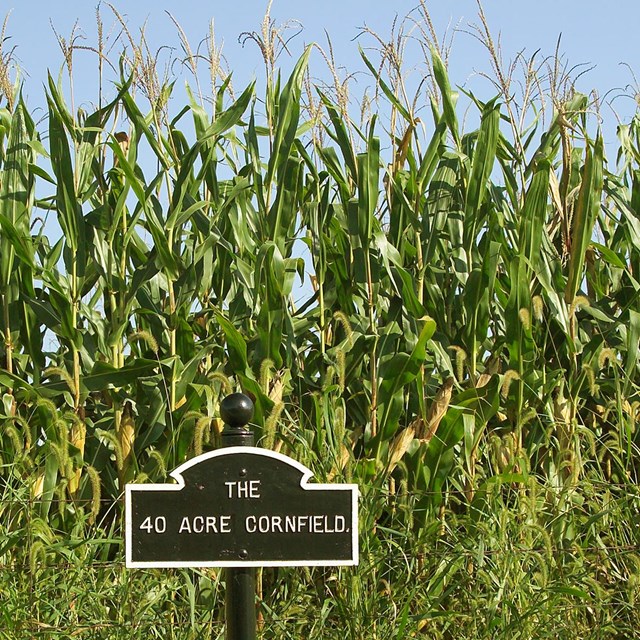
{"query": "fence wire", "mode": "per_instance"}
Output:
(42, 571)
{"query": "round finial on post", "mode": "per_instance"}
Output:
(236, 410)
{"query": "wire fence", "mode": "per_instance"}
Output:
(72, 582)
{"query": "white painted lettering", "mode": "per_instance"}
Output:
(185, 525)
(158, 525)
(243, 489)
(205, 524)
(211, 524)
(296, 524)
(198, 524)
(225, 524)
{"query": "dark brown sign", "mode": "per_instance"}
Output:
(241, 506)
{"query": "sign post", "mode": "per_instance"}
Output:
(241, 507)
(236, 411)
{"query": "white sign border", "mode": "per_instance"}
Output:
(176, 474)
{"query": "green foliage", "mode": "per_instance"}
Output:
(467, 351)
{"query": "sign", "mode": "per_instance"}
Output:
(241, 506)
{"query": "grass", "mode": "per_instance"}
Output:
(467, 350)
(528, 562)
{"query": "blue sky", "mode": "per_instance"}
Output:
(591, 34)
(592, 37)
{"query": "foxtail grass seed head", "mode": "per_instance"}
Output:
(58, 371)
(113, 439)
(339, 426)
(96, 492)
(461, 357)
(37, 557)
(525, 318)
(192, 415)
(328, 379)
(61, 495)
(538, 308)
(529, 416)
(16, 441)
(158, 458)
(62, 429)
(591, 378)
(579, 302)
(508, 378)
(61, 455)
(200, 434)
(606, 358)
(498, 460)
(271, 425)
(547, 543)
(222, 380)
(342, 319)
(589, 437)
(341, 368)
(47, 405)
(147, 338)
(267, 367)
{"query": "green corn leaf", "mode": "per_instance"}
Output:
(13, 243)
(449, 97)
(584, 217)
(395, 373)
(68, 208)
(236, 345)
(283, 213)
(534, 214)
(287, 120)
(341, 135)
(368, 181)
(16, 188)
(88, 148)
(185, 183)
(440, 456)
(152, 210)
(104, 376)
(55, 95)
(477, 298)
(517, 336)
(633, 348)
(432, 155)
(387, 90)
(481, 167)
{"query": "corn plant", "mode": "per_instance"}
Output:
(449, 318)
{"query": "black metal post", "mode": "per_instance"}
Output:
(236, 410)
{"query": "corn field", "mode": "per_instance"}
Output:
(449, 318)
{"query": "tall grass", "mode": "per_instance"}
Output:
(467, 348)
